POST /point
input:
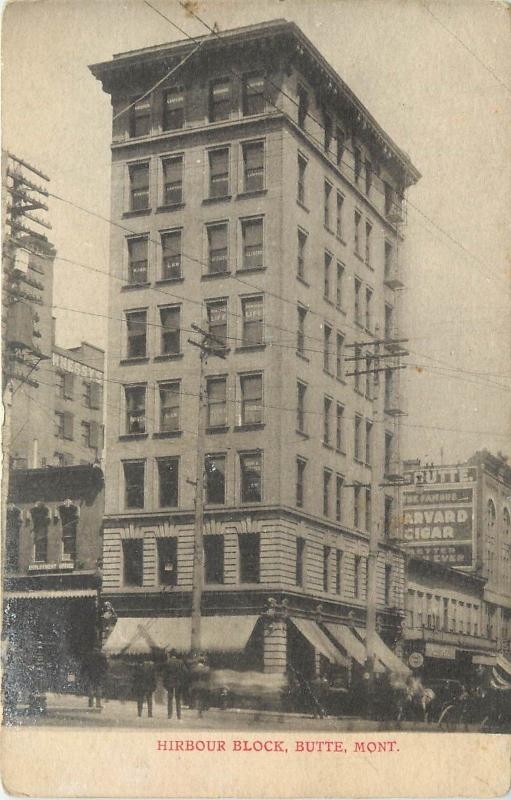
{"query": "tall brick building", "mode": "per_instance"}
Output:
(266, 205)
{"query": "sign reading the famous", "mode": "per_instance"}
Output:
(437, 522)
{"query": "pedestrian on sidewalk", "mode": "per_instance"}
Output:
(95, 667)
(174, 678)
(144, 685)
(199, 674)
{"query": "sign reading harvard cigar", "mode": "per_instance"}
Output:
(438, 518)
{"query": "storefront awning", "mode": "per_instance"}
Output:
(49, 594)
(140, 635)
(385, 656)
(434, 650)
(488, 659)
(319, 640)
(347, 640)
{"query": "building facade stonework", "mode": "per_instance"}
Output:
(264, 204)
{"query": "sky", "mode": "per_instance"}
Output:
(436, 75)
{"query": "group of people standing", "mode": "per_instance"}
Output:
(181, 678)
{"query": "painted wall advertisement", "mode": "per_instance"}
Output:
(438, 514)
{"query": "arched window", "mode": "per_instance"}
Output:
(12, 538)
(69, 519)
(40, 521)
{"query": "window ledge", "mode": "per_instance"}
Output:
(328, 446)
(359, 325)
(302, 205)
(369, 265)
(358, 460)
(327, 372)
(357, 391)
(221, 198)
(168, 357)
(341, 452)
(252, 426)
(248, 347)
(208, 276)
(327, 300)
(340, 239)
(340, 380)
(243, 270)
(167, 434)
(302, 280)
(341, 310)
(142, 212)
(360, 258)
(129, 286)
(169, 207)
(128, 437)
(165, 281)
(134, 360)
(252, 193)
(329, 229)
(301, 355)
(217, 429)
(302, 434)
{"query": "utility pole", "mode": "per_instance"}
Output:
(209, 345)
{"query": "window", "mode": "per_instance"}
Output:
(252, 314)
(339, 481)
(217, 248)
(137, 260)
(252, 235)
(388, 585)
(300, 335)
(217, 321)
(253, 95)
(369, 177)
(338, 571)
(133, 562)
(389, 389)
(302, 167)
(338, 216)
(140, 117)
(340, 145)
(357, 516)
(369, 367)
(139, 187)
(302, 241)
(326, 204)
(327, 133)
(12, 537)
(168, 482)
(369, 230)
(173, 181)
(389, 257)
(303, 106)
(368, 510)
(134, 477)
(339, 432)
(357, 357)
(167, 561)
(250, 555)
(136, 324)
(219, 172)
(358, 305)
(251, 387)
(215, 478)
(169, 407)
(171, 255)
(92, 394)
(59, 384)
(219, 100)
(326, 275)
(300, 481)
(170, 330)
(327, 342)
(85, 433)
(389, 323)
(40, 523)
(369, 442)
(358, 163)
(358, 438)
(339, 343)
(62, 460)
(339, 286)
(389, 447)
(300, 407)
(327, 408)
(389, 197)
(300, 559)
(135, 400)
(356, 219)
(214, 558)
(69, 521)
(251, 477)
(388, 517)
(357, 569)
(326, 565)
(217, 402)
(253, 166)
(327, 476)
(63, 425)
(174, 109)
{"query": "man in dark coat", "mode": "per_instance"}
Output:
(144, 685)
(199, 674)
(95, 667)
(174, 677)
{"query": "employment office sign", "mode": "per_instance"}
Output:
(438, 515)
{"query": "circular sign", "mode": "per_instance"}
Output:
(416, 660)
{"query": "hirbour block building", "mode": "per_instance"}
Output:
(264, 203)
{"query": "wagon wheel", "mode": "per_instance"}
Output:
(449, 717)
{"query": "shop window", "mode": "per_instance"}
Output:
(215, 478)
(133, 562)
(249, 557)
(40, 523)
(214, 558)
(168, 480)
(167, 561)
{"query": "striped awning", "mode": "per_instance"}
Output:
(320, 641)
(384, 654)
(50, 594)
